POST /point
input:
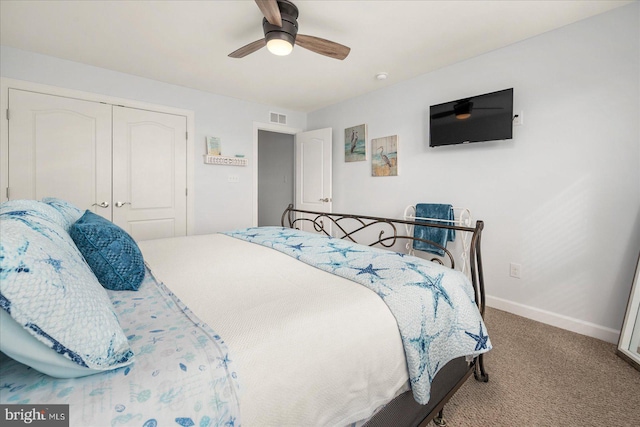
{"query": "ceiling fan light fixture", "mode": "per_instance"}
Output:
(279, 46)
(280, 40)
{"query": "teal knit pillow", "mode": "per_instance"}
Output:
(111, 253)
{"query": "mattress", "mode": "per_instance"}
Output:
(310, 348)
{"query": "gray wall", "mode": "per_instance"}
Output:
(562, 197)
(275, 176)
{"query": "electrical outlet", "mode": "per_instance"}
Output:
(233, 178)
(515, 269)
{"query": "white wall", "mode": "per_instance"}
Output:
(219, 204)
(562, 198)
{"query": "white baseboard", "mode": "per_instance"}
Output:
(554, 319)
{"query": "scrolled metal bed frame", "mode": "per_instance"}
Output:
(386, 232)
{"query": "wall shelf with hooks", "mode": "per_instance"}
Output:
(224, 160)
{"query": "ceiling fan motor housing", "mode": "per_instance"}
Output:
(289, 29)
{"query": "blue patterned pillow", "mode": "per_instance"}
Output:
(111, 253)
(48, 289)
(70, 213)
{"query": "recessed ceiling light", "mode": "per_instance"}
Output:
(382, 76)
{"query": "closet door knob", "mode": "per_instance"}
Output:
(326, 200)
(121, 204)
(102, 204)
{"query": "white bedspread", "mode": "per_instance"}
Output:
(311, 348)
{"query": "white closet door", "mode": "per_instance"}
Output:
(60, 147)
(149, 173)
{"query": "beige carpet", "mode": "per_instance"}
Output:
(540, 375)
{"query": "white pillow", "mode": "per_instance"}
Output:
(20, 345)
(68, 211)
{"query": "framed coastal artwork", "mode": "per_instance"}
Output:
(384, 156)
(355, 143)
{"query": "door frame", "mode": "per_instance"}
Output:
(7, 83)
(271, 127)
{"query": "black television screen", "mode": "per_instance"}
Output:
(485, 117)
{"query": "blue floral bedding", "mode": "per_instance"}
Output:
(182, 374)
(433, 305)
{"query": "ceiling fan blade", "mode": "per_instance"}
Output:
(271, 11)
(247, 49)
(322, 46)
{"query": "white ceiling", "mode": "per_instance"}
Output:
(186, 43)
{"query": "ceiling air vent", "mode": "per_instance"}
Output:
(278, 118)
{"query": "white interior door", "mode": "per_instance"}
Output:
(60, 147)
(149, 173)
(313, 170)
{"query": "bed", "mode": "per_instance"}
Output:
(256, 327)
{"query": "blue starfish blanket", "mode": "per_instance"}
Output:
(433, 305)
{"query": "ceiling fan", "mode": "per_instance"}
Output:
(462, 110)
(280, 25)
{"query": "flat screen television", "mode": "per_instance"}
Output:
(485, 117)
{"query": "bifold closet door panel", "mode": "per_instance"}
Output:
(149, 173)
(60, 147)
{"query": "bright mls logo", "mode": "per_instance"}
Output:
(35, 415)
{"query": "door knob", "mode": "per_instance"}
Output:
(121, 204)
(326, 200)
(102, 204)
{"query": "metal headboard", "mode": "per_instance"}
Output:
(387, 232)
